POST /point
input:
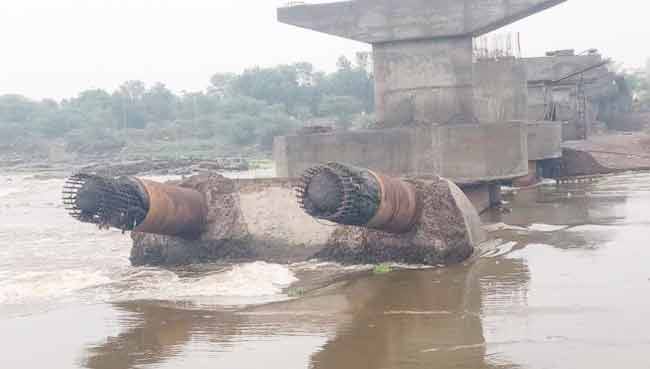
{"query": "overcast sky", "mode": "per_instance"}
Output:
(56, 48)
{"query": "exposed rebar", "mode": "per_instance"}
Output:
(107, 202)
(347, 195)
(132, 204)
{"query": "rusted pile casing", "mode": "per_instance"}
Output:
(173, 210)
(133, 204)
(388, 219)
(365, 198)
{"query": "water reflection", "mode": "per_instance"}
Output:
(597, 202)
(424, 319)
(153, 334)
(406, 319)
(587, 214)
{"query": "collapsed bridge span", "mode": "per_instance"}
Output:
(336, 212)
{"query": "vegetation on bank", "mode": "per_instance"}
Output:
(382, 269)
(238, 114)
(639, 81)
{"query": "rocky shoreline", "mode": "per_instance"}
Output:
(166, 167)
(106, 167)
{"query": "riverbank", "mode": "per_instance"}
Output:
(604, 154)
(137, 157)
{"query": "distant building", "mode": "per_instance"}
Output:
(577, 89)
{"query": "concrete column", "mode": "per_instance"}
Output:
(500, 90)
(422, 49)
(424, 81)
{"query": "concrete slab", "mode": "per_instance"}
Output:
(551, 68)
(379, 21)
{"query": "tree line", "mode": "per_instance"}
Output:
(237, 109)
(639, 81)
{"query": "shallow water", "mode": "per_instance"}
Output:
(564, 283)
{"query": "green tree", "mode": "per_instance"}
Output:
(17, 109)
(93, 107)
(353, 81)
(343, 108)
(160, 104)
(128, 105)
(249, 109)
(639, 83)
(343, 64)
(221, 84)
(291, 86)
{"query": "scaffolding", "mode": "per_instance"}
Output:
(497, 46)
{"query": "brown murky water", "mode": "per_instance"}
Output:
(565, 284)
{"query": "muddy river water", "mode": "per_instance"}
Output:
(564, 283)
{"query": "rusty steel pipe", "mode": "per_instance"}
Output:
(173, 210)
(347, 195)
(133, 204)
(398, 208)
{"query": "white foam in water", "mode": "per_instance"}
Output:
(30, 286)
(254, 282)
(533, 227)
(496, 248)
(245, 280)
(547, 227)
(502, 227)
(548, 182)
(590, 228)
(328, 265)
(6, 191)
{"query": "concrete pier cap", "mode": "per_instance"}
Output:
(422, 49)
(463, 153)
(380, 21)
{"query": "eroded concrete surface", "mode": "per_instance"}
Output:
(253, 220)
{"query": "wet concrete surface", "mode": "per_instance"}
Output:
(564, 283)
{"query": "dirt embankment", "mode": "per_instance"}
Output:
(606, 154)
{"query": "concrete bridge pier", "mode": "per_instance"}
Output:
(440, 111)
(424, 81)
(422, 49)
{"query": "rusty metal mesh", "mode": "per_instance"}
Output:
(107, 202)
(356, 191)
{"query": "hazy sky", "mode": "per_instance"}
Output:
(56, 48)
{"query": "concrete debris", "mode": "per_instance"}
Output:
(210, 218)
